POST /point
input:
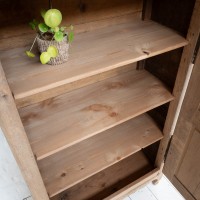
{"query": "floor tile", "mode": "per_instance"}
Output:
(143, 194)
(164, 190)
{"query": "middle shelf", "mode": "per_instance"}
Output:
(62, 121)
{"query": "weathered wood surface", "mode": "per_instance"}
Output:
(191, 164)
(110, 180)
(184, 150)
(92, 53)
(85, 15)
(73, 165)
(60, 122)
(41, 96)
(17, 139)
(182, 189)
(186, 59)
(130, 188)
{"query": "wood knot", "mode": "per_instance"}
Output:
(116, 85)
(28, 117)
(113, 114)
(101, 108)
(63, 174)
(48, 102)
(103, 185)
(118, 158)
(146, 51)
(3, 94)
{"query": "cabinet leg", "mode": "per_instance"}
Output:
(156, 181)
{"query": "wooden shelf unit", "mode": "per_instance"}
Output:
(80, 130)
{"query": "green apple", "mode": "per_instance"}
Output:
(53, 18)
(52, 51)
(45, 58)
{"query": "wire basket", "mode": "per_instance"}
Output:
(63, 48)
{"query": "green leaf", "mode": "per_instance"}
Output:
(32, 25)
(59, 36)
(42, 12)
(62, 28)
(52, 51)
(52, 30)
(35, 22)
(30, 54)
(45, 58)
(71, 28)
(43, 27)
(71, 36)
(56, 29)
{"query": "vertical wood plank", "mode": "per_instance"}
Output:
(146, 15)
(184, 150)
(191, 164)
(147, 7)
(182, 189)
(186, 59)
(17, 139)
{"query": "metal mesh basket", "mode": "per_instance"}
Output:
(62, 47)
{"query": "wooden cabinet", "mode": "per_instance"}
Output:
(182, 164)
(98, 126)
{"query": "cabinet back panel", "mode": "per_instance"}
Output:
(85, 15)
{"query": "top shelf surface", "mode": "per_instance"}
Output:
(91, 53)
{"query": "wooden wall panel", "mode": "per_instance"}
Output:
(177, 16)
(83, 14)
(189, 173)
(74, 11)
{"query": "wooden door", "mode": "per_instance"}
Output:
(182, 166)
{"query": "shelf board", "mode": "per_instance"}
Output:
(74, 164)
(60, 122)
(91, 53)
(112, 179)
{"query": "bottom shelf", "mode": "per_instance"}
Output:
(110, 180)
(67, 168)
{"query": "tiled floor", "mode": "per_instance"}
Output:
(164, 190)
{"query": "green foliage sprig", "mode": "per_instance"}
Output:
(50, 30)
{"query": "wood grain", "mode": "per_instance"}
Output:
(64, 170)
(85, 15)
(182, 189)
(17, 139)
(72, 86)
(60, 122)
(188, 173)
(186, 58)
(135, 185)
(91, 53)
(110, 180)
